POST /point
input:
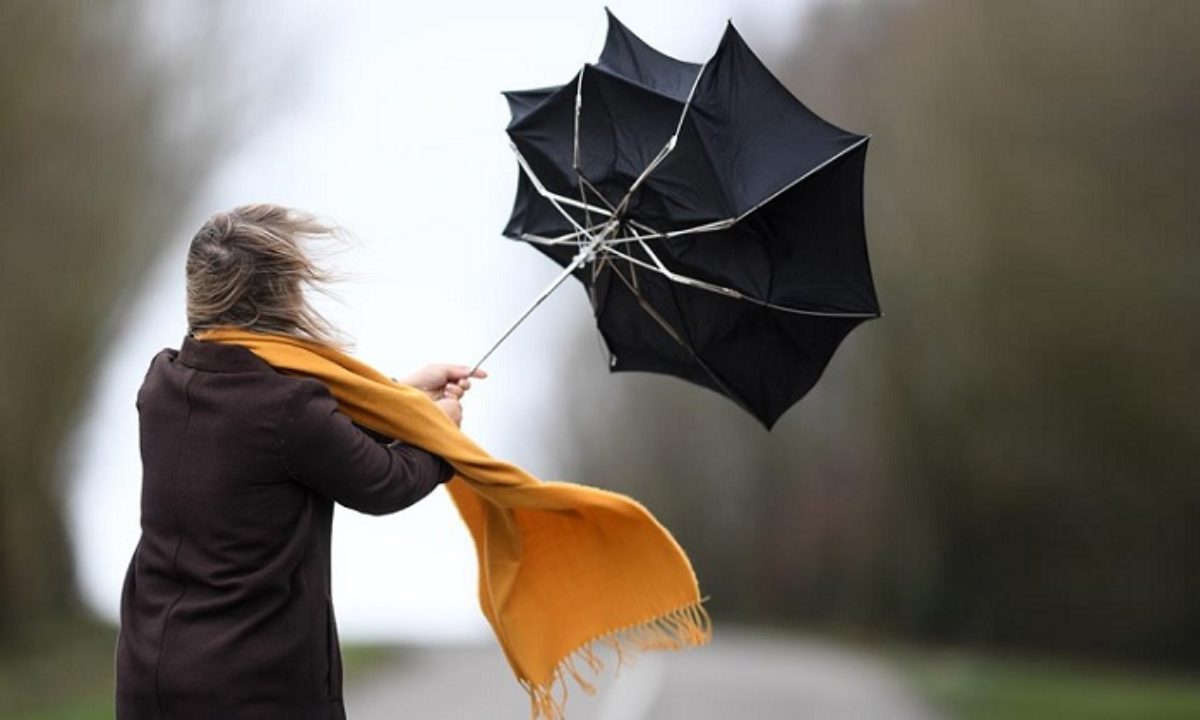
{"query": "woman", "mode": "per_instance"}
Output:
(226, 609)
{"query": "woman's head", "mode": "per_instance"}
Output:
(249, 267)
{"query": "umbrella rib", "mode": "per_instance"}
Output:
(654, 314)
(666, 149)
(656, 235)
(587, 183)
(726, 223)
(571, 238)
(555, 198)
(578, 108)
(661, 269)
(713, 226)
(803, 177)
(584, 183)
(587, 215)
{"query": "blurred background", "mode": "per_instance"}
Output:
(986, 509)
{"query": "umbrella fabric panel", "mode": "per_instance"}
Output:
(687, 189)
(520, 102)
(682, 191)
(535, 215)
(762, 359)
(622, 127)
(640, 332)
(761, 137)
(527, 213)
(545, 136)
(628, 56)
(818, 242)
(804, 250)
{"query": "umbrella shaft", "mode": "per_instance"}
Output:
(583, 256)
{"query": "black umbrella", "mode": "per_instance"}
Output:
(715, 221)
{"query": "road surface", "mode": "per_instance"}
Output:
(742, 675)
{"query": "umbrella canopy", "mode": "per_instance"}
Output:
(715, 221)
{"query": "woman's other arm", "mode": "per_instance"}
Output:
(325, 451)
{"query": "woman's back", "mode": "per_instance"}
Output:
(226, 610)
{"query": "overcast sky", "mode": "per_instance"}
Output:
(398, 137)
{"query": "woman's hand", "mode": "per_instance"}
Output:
(438, 381)
(452, 408)
(445, 385)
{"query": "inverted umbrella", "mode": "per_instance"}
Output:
(715, 221)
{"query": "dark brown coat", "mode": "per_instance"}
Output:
(226, 611)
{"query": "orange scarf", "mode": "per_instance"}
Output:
(561, 566)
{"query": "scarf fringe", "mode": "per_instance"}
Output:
(685, 627)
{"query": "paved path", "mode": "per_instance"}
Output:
(743, 675)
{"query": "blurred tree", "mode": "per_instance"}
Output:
(1009, 456)
(109, 121)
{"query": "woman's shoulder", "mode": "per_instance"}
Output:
(220, 377)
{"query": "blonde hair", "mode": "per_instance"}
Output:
(248, 268)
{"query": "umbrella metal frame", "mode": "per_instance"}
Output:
(598, 243)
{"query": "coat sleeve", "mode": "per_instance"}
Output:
(324, 450)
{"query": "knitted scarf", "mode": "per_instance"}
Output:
(562, 567)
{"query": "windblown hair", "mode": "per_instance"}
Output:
(249, 267)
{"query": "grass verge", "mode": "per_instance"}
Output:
(68, 675)
(971, 687)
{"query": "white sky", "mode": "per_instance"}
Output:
(399, 138)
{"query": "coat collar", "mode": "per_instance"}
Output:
(219, 357)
